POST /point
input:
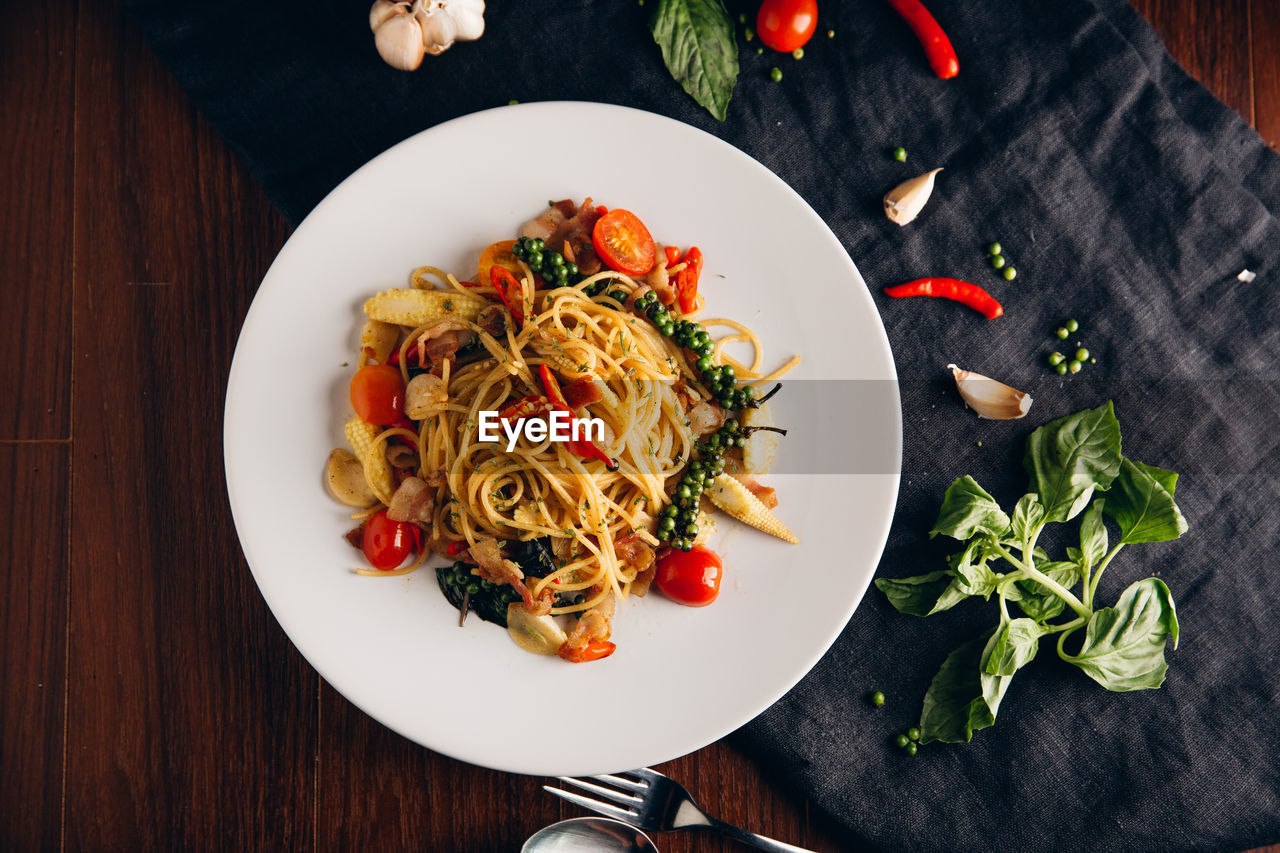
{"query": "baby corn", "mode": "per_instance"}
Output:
(413, 307)
(360, 435)
(737, 500)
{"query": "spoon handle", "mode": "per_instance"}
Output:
(757, 841)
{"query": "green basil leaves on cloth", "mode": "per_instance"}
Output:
(1130, 199)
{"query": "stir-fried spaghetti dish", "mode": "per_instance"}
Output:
(560, 428)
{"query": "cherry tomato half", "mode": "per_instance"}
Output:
(785, 25)
(690, 577)
(386, 543)
(623, 243)
(498, 254)
(377, 393)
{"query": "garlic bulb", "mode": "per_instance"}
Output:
(397, 34)
(445, 21)
(903, 203)
(989, 398)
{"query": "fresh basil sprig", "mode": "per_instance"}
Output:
(1076, 469)
(699, 49)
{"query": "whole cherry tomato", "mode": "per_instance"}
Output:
(377, 393)
(386, 543)
(785, 25)
(690, 577)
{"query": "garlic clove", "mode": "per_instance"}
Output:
(398, 38)
(989, 398)
(903, 203)
(383, 9)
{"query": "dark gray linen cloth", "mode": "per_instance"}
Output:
(1127, 197)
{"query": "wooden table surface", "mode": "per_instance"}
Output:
(150, 700)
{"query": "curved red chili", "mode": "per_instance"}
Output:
(951, 288)
(583, 447)
(509, 291)
(937, 47)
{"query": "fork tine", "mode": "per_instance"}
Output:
(619, 782)
(601, 791)
(591, 805)
(646, 774)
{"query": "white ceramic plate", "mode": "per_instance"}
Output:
(681, 677)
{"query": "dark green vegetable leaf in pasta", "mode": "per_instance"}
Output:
(1069, 458)
(1124, 645)
(1142, 506)
(966, 509)
(699, 49)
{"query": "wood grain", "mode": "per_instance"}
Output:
(37, 101)
(33, 634)
(143, 676)
(191, 722)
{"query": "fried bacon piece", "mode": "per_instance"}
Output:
(413, 501)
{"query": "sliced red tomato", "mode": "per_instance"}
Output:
(387, 543)
(690, 577)
(593, 650)
(785, 25)
(623, 243)
(377, 393)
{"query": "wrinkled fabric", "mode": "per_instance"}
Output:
(1126, 196)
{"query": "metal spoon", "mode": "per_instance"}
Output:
(589, 835)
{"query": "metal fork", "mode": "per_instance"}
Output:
(650, 801)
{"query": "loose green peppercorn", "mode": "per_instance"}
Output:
(877, 699)
(1062, 333)
(1082, 354)
(900, 154)
(775, 74)
(618, 296)
(798, 53)
(994, 249)
(691, 530)
(997, 261)
(1061, 369)
(831, 34)
(750, 34)
(1074, 366)
(759, 50)
(1056, 358)
(1072, 326)
(903, 741)
(912, 749)
(913, 733)
(1009, 273)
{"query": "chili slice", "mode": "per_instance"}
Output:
(585, 447)
(937, 47)
(509, 291)
(673, 255)
(951, 288)
(594, 650)
(687, 280)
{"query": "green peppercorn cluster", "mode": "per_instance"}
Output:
(909, 741)
(550, 264)
(1059, 362)
(678, 521)
(460, 578)
(998, 261)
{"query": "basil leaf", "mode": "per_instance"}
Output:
(1037, 601)
(1124, 645)
(699, 49)
(1013, 646)
(1027, 515)
(1093, 536)
(1142, 507)
(1168, 479)
(916, 595)
(964, 697)
(1069, 458)
(966, 509)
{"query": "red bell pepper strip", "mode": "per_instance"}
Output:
(584, 447)
(951, 288)
(937, 47)
(594, 650)
(687, 281)
(509, 291)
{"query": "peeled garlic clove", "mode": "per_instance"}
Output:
(903, 203)
(397, 36)
(989, 398)
(345, 477)
(537, 634)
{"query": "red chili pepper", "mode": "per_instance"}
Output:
(937, 47)
(673, 255)
(951, 288)
(594, 650)
(687, 280)
(453, 549)
(585, 447)
(525, 407)
(509, 291)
